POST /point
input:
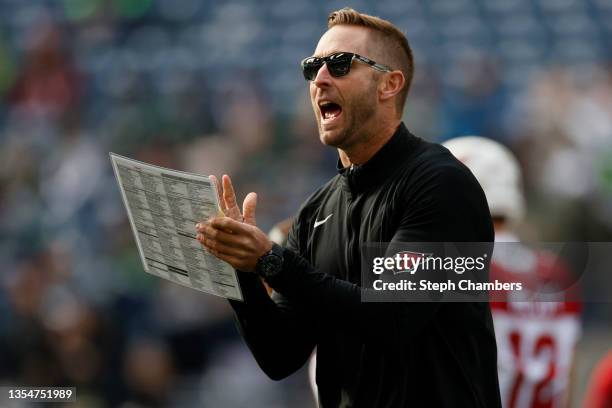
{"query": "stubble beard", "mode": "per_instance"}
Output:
(359, 113)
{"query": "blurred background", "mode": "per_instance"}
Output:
(214, 87)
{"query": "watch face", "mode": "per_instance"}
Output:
(271, 264)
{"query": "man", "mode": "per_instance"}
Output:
(391, 187)
(536, 339)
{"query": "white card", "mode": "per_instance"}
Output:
(163, 206)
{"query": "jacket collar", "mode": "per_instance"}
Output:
(360, 178)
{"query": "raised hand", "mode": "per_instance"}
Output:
(234, 237)
(229, 204)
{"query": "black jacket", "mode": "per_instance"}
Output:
(378, 354)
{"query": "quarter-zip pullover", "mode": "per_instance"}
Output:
(377, 354)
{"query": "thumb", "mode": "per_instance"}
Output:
(248, 208)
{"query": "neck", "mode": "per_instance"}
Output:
(362, 151)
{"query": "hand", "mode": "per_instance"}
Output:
(237, 243)
(234, 238)
(227, 199)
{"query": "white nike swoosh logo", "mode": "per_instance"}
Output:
(317, 223)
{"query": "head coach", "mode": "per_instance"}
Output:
(391, 187)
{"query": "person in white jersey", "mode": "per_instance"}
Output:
(535, 340)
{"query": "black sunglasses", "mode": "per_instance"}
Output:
(338, 64)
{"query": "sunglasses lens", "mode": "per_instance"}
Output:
(340, 65)
(310, 67)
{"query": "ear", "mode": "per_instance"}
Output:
(391, 84)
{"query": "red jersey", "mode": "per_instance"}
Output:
(535, 339)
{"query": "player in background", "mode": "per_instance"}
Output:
(536, 340)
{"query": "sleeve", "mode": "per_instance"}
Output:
(279, 334)
(446, 205)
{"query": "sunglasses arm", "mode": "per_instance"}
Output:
(376, 66)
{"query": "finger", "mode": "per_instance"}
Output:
(229, 196)
(240, 242)
(248, 208)
(219, 249)
(230, 225)
(215, 180)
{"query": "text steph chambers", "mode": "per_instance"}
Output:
(464, 284)
(410, 263)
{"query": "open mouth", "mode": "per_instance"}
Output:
(329, 110)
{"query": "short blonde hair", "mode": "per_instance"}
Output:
(397, 50)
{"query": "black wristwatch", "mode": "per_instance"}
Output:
(270, 263)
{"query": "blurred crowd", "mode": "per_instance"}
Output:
(215, 88)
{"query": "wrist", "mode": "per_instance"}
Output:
(270, 264)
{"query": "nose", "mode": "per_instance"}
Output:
(323, 77)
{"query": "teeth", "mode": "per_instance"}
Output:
(329, 115)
